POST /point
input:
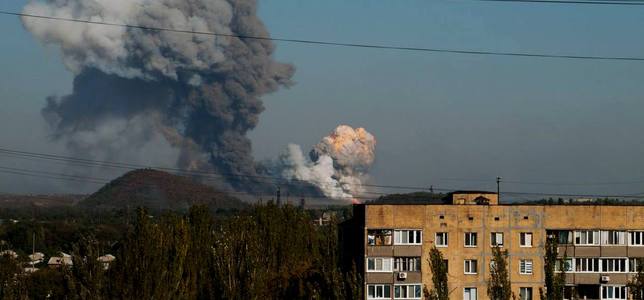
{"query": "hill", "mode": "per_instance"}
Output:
(157, 190)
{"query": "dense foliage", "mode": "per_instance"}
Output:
(636, 284)
(498, 287)
(438, 267)
(266, 252)
(554, 281)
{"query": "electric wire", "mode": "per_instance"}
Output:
(328, 43)
(591, 2)
(98, 163)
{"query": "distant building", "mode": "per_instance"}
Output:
(9, 253)
(325, 218)
(602, 242)
(106, 260)
(36, 258)
(62, 260)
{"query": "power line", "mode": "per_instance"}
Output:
(201, 174)
(332, 43)
(631, 196)
(97, 163)
(617, 2)
(86, 179)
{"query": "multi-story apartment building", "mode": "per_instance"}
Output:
(602, 244)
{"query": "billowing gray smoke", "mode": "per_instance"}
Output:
(200, 93)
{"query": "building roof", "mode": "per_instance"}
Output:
(57, 260)
(470, 192)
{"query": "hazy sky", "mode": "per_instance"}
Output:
(437, 117)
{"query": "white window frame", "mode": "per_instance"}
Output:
(524, 241)
(386, 263)
(561, 261)
(387, 238)
(445, 239)
(411, 261)
(613, 238)
(467, 240)
(382, 287)
(528, 291)
(494, 239)
(408, 237)
(526, 267)
(636, 238)
(613, 265)
(408, 287)
(467, 266)
(632, 264)
(586, 237)
(471, 289)
(623, 290)
(587, 261)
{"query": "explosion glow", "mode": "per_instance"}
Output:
(337, 165)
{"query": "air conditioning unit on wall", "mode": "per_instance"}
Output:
(605, 278)
(402, 275)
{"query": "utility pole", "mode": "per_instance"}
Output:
(279, 196)
(33, 249)
(498, 188)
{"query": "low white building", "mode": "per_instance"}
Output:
(106, 260)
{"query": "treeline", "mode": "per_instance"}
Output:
(597, 201)
(266, 252)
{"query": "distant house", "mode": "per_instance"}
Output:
(325, 219)
(62, 260)
(106, 260)
(9, 253)
(36, 258)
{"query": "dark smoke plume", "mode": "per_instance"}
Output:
(201, 94)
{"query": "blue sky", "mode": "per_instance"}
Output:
(436, 116)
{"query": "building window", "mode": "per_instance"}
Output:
(471, 266)
(379, 237)
(496, 239)
(407, 264)
(567, 265)
(525, 266)
(525, 239)
(614, 265)
(586, 265)
(613, 292)
(407, 291)
(408, 237)
(613, 237)
(441, 239)
(378, 291)
(633, 262)
(636, 238)
(379, 264)
(525, 293)
(469, 293)
(587, 238)
(470, 239)
(564, 237)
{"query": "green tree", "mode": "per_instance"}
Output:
(554, 281)
(498, 287)
(636, 284)
(438, 266)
